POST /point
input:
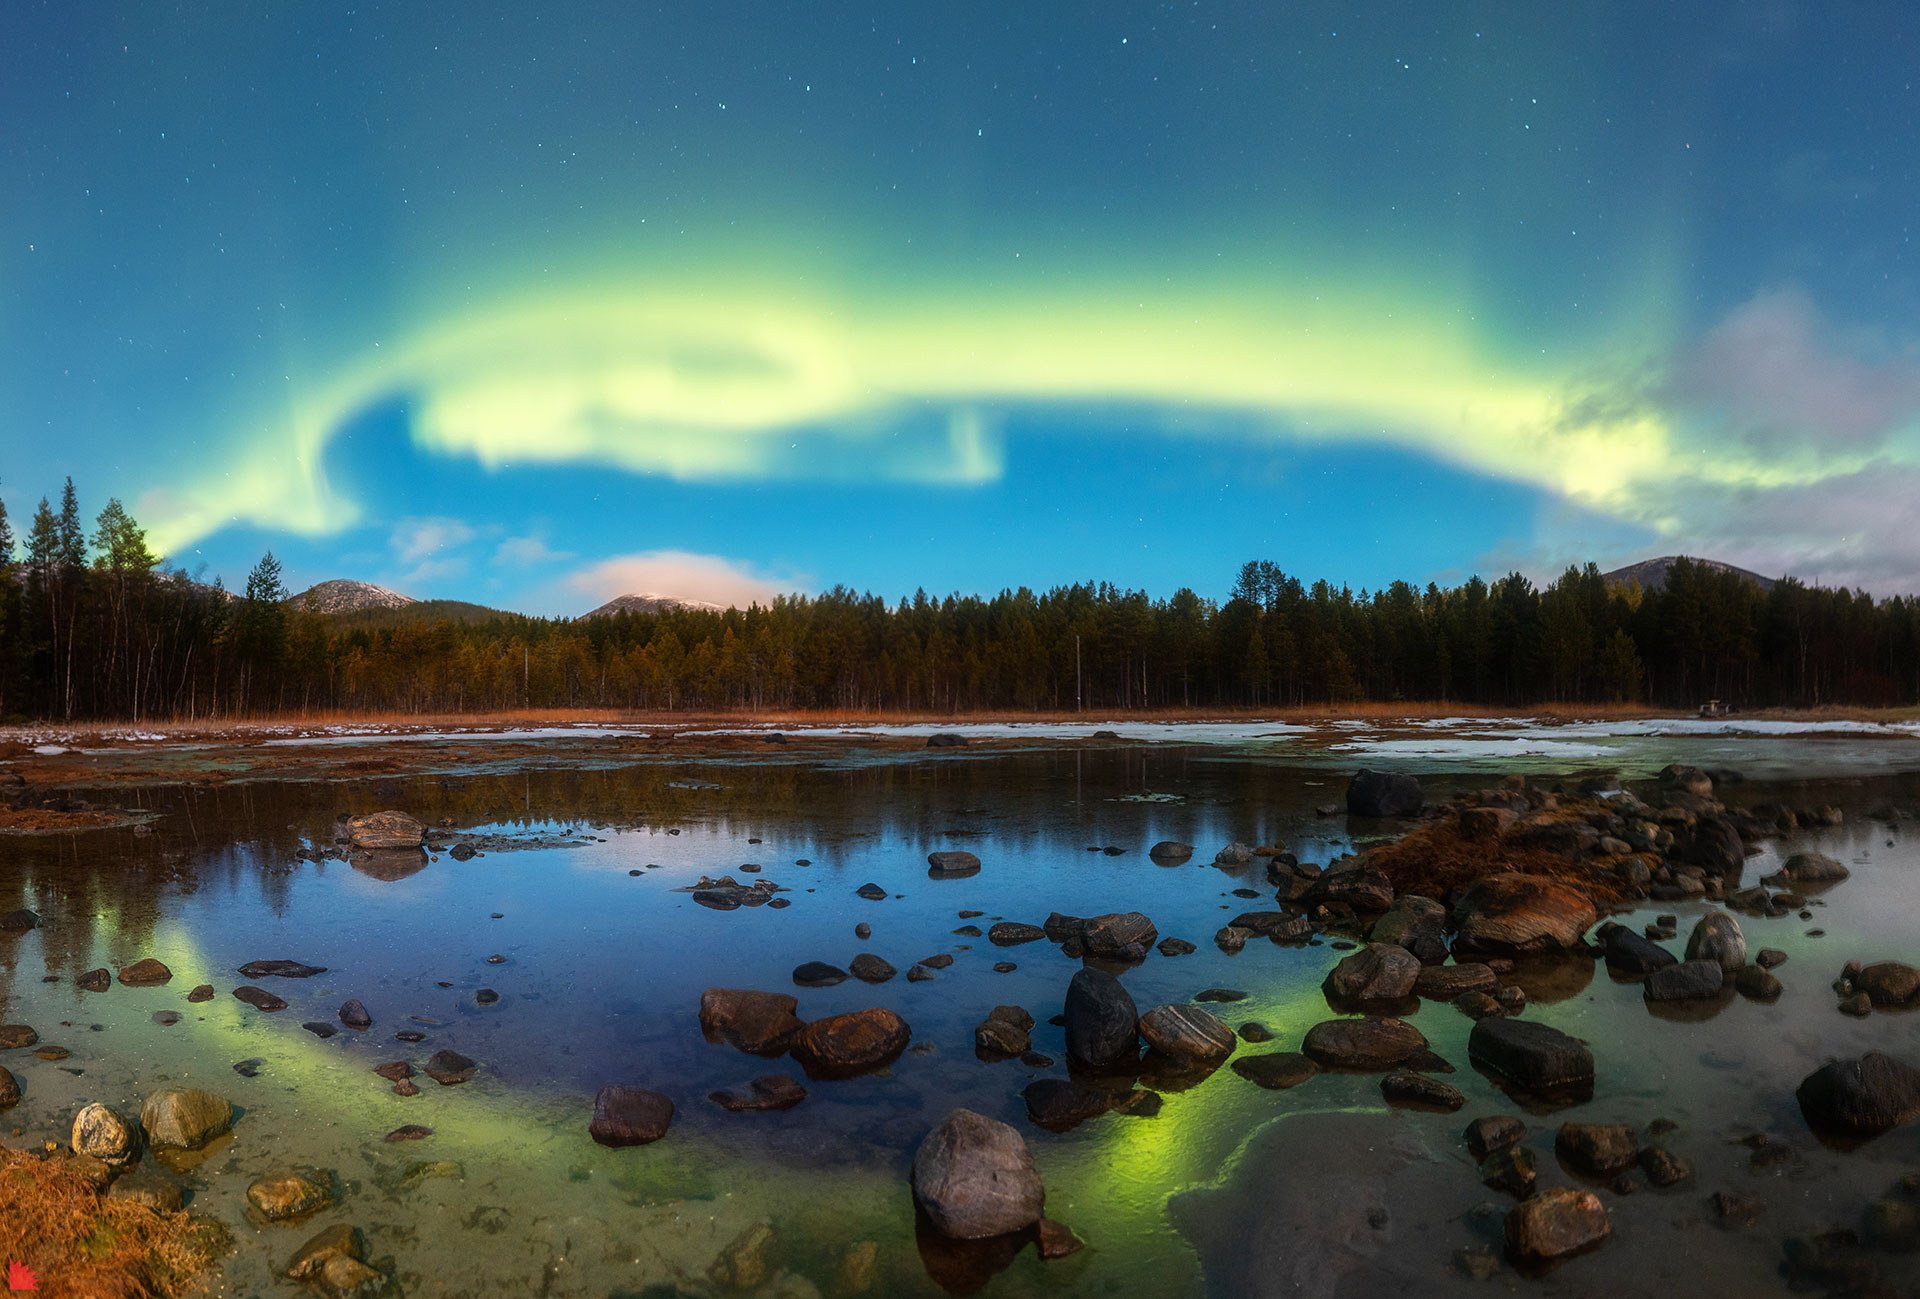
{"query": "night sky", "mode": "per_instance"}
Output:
(534, 304)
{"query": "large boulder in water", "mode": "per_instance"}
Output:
(101, 1133)
(183, 1117)
(1521, 915)
(952, 864)
(1557, 1223)
(629, 1116)
(1718, 938)
(1861, 1097)
(1810, 868)
(844, 1046)
(1530, 1056)
(1373, 1045)
(145, 973)
(1384, 793)
(1377, 972)
(1102, 1021)
(385, 831)
(974, 1177)
(1188, 1035)
(1118, 935)
(1715, 846)
(759, 1023)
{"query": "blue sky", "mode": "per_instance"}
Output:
(525, 307)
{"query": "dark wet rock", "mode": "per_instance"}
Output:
(1687, 981)
(938, 961)
(1354, 885)
(1495, 1132)
(745, 1262)
(1102, 1021)
(145, 973)
(15, 1036)
(759, 1023)
(201, 992)
(9, 1090)
(280, 969)
(1530, 1056)
(1446, 982)
(450, 1068)
(968, 931)
(1187, 1034)
(1717, 937)
(1597, 1149)
(1260, 922)
(1518, 915)
(394, 1070)
(102, 1134)
(1628, 952)
(999, 1037)
(1056, 1240)
(385, 832)
(1383, 793)
(1234, 854)
(1736, 1210)
(1169, 853)
(1862, 1096)
(1509, 1169)
(919, 974)
(409, 1035)
(629, 1116)
(249, 1068)
(1756, 983)
(1011, 933)
(946, 740)
(355, 1016)
(1405, 1087)
(1175, 947)
(1477, 1262)
(843, 1046)
(1377, 972)
(1811, 868)
(1715, 845)
(1888, 983)
(485, 997)
(1557, 1223)
(320, 1028)
(1663, 1167)
(818, 974)
(1058, 1104)
(1478, 1005)
(462, 852)
(952, 864)
(871, 892)
(1275, 1070)
(184, 1118)
(1770, 958)
(869, 968)
(863, 931)
(259, 998)
(1230, 938)
(334, 1261)
(1891, 1224)
(95, 980)
(1220, 996)
(408, 1132)
(1373, 1045)
(18, 921)
(1059, 926)
(1416, 923)
(1685, 779)
(150, 1188)
(774, 1091)
(974, 1178)
(287, 1196)
(1118, 935)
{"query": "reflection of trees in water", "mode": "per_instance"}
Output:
(100, 893)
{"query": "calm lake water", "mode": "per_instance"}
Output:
(1228, 1190)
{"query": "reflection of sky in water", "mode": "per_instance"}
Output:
(604, 972)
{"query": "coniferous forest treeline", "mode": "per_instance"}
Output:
(93, 626)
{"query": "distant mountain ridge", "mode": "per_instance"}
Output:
(343, 595)
(1651, 574)
(647, 602)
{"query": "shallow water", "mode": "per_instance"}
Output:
(1230, 1190)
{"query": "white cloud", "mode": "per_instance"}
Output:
(682, 575)
(525, 552)
(420, 539)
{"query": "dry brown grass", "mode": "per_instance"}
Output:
(38, 820)
(78, 1242)
(1436, 861)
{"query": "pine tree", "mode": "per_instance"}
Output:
(72, 541)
